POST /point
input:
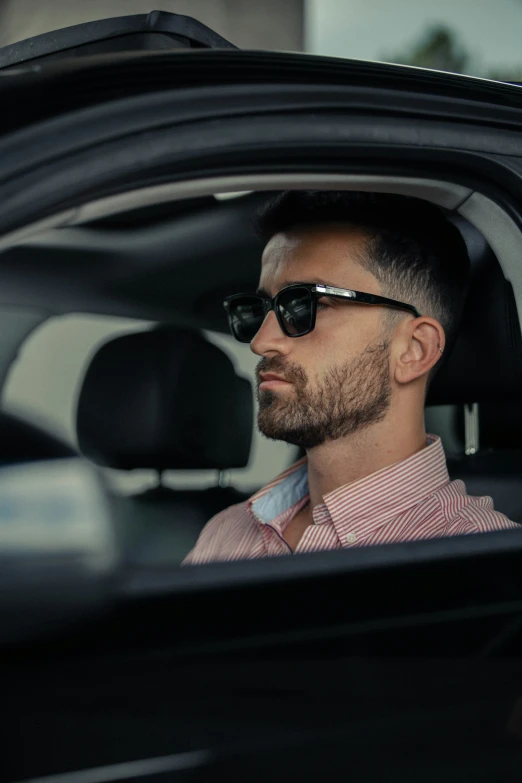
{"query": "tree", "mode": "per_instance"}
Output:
(441, 49)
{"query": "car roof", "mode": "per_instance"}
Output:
(87, 64)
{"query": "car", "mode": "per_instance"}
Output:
(133, 154)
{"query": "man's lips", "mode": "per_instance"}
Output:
(269, 380)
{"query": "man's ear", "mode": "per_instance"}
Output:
(420, 344)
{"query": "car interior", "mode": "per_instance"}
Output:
(167, 399)
(149, 401)
(141, 670)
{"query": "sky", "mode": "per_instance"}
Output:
(369, 29)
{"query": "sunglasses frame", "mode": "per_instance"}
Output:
(317, 290)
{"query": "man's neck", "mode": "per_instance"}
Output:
(345, 460)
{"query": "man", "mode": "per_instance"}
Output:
(359, 296)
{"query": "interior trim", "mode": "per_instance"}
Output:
(502, 234)
(132, 770)
(444, 194)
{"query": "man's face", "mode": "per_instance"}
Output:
(337, 377)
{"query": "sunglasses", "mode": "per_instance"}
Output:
(295, 307)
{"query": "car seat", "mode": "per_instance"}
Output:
(481, 381)
(165, 399)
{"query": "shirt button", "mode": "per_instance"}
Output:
(351, 538)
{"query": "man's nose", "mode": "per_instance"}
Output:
(270, 337)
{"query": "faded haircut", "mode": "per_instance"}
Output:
(417, 255)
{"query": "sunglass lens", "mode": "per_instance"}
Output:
(245, 316)
(295, 310)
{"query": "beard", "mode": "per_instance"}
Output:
(348, 398)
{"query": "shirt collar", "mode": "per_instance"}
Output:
(281, 494)
(364, 505)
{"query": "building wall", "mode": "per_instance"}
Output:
(250, 24)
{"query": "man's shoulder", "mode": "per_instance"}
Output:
(229, 515)
(234, 528)
(219, 530)
(471, 513)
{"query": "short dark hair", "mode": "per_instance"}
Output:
(417, 255)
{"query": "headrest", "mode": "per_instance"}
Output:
(164, 399)
(485, 363)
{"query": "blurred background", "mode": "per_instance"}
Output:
(477, 37)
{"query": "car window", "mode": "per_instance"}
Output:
(44, 383)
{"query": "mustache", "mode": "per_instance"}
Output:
(295, 374)
(292, 373)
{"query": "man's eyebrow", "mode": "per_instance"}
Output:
(315, 281)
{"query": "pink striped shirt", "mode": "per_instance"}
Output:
(409, 500)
